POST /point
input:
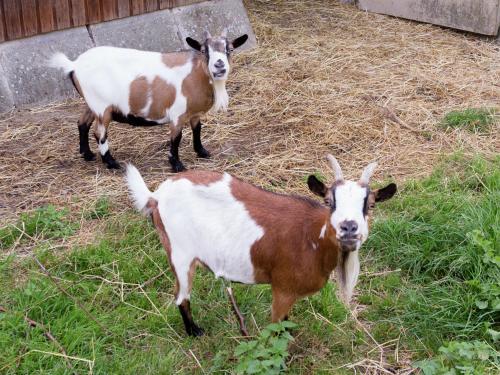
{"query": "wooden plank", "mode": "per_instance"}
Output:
(123, 8)
(12, 9)
(46, 16)
(93, 11)
(180, 3)
(151, 5)
(137, 7)
(30, 19)
(165, 4)
(78, 13)
(3, 36)
(63, 18)
(109, 10)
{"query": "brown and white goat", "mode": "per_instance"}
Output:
(150, 88)
(249, 235)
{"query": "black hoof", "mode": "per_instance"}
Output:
(203, 153)
(113, 165)
(110, 162)
(88, 155)
(176, 164)
(196, 331)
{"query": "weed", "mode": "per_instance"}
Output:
(473, 120)
(46, 222)
(266, 354)
(101, 209)
(468, 358)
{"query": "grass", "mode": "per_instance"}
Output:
(431, 282)
(476, 120)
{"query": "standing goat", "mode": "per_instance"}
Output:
(250, 235)
(150, 88)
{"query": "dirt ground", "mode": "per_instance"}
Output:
(324, 78)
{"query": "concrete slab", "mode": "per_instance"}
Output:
(155, 31)
(25, 70)
(213, 16)
(478, 16)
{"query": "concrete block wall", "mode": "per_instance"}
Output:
(25, 78)
(478, 16)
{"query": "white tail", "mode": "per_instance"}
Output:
(137, 188)
(60, 61)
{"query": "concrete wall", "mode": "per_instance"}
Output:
(479, 16)
(25, 78)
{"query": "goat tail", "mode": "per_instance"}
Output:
(138, 190)
(60, 61)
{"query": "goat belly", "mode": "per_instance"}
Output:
(134, 120)
(206, 222)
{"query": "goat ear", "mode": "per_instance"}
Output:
(316, 186)
(385, 193)
(239, 41)
(193, 43)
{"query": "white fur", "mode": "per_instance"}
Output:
(349, 200)
(347, 273)
(59, 60)
(103, 147)
(221, 98)
(323, 231)
(204, 222)
(137, 188)
(105, 75)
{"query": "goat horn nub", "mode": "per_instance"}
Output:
(367, 173)
(334, 164)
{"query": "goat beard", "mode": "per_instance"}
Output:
(221, 98)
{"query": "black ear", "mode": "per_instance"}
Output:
(239, 41)
(316, 186)
(193, 43)
(385, 193)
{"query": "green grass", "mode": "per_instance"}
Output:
(430, 292)
(477, 120)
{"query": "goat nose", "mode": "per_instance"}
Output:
(349, 227)
(219, 64)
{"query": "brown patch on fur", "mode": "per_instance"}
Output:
(198, 90)
(87, 117)
(152, 206)
(76, 83)
(174, 59)
(199, 177)
(138, 95)
(286, 256)
(163, 96)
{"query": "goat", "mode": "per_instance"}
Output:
(150, 88)
(246, 234)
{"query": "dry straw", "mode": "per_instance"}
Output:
(324, 78)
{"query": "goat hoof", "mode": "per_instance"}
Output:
(88, 156)
(196, 331)
(177, 165)
(203, 153)
(113, 165)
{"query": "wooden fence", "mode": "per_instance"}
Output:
(23, 18)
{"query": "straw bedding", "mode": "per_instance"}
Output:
(324, 77)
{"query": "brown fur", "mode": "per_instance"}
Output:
(285, 256)
(198, 90)
(175, 58)
(163, 95)
(138, 98)
(199, 177)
